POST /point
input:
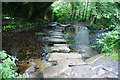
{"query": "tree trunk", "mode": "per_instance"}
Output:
(30, 10)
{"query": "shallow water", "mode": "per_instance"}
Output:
(27, 46)
(81, 40)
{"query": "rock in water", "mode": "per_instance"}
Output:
(60, 49)
(56, 40)
(60, 45)
(65, 25)
(60, 56)
(30, 70)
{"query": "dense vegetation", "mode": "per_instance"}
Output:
(110, 44)
(102, 15)
(7, 66)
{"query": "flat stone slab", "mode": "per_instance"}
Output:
(93, 59)
(57, 36)
(65, 25)
(56, 40)
(60, 56)
(53, 71)
(56, 32)
(61, 45)
(71, 62)
(82, 71)
(59, 49)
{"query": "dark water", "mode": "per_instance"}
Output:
(26, 46)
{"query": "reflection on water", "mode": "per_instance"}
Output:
(81, 40)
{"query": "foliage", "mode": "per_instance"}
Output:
(94, 26)
(99, 13)
(110, 44)
(7, 64)
(15, 26)
(25, 10)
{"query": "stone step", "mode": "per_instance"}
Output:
(61, 45)
(93, 59)
(57, 37)
(71, 62)
(56, 40)
(59, 49)
(58, 34)
(52, 71)
(60, 56)
(65, 25)
(59, 30)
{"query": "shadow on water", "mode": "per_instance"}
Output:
(81, 40)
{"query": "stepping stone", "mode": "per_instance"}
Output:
(58, 34)
(93, 59)
(53, 71)
(59, 49)
(71, 62)
(65, 25)
(59, 30)
(57, 37)
(60, 56)
(61, 45)
(56, 40)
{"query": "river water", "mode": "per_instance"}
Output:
(26, 46)
(81, 40)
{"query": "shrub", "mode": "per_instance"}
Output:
(94, 27)
(110, 44)
(7, 64)
(15, 26)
